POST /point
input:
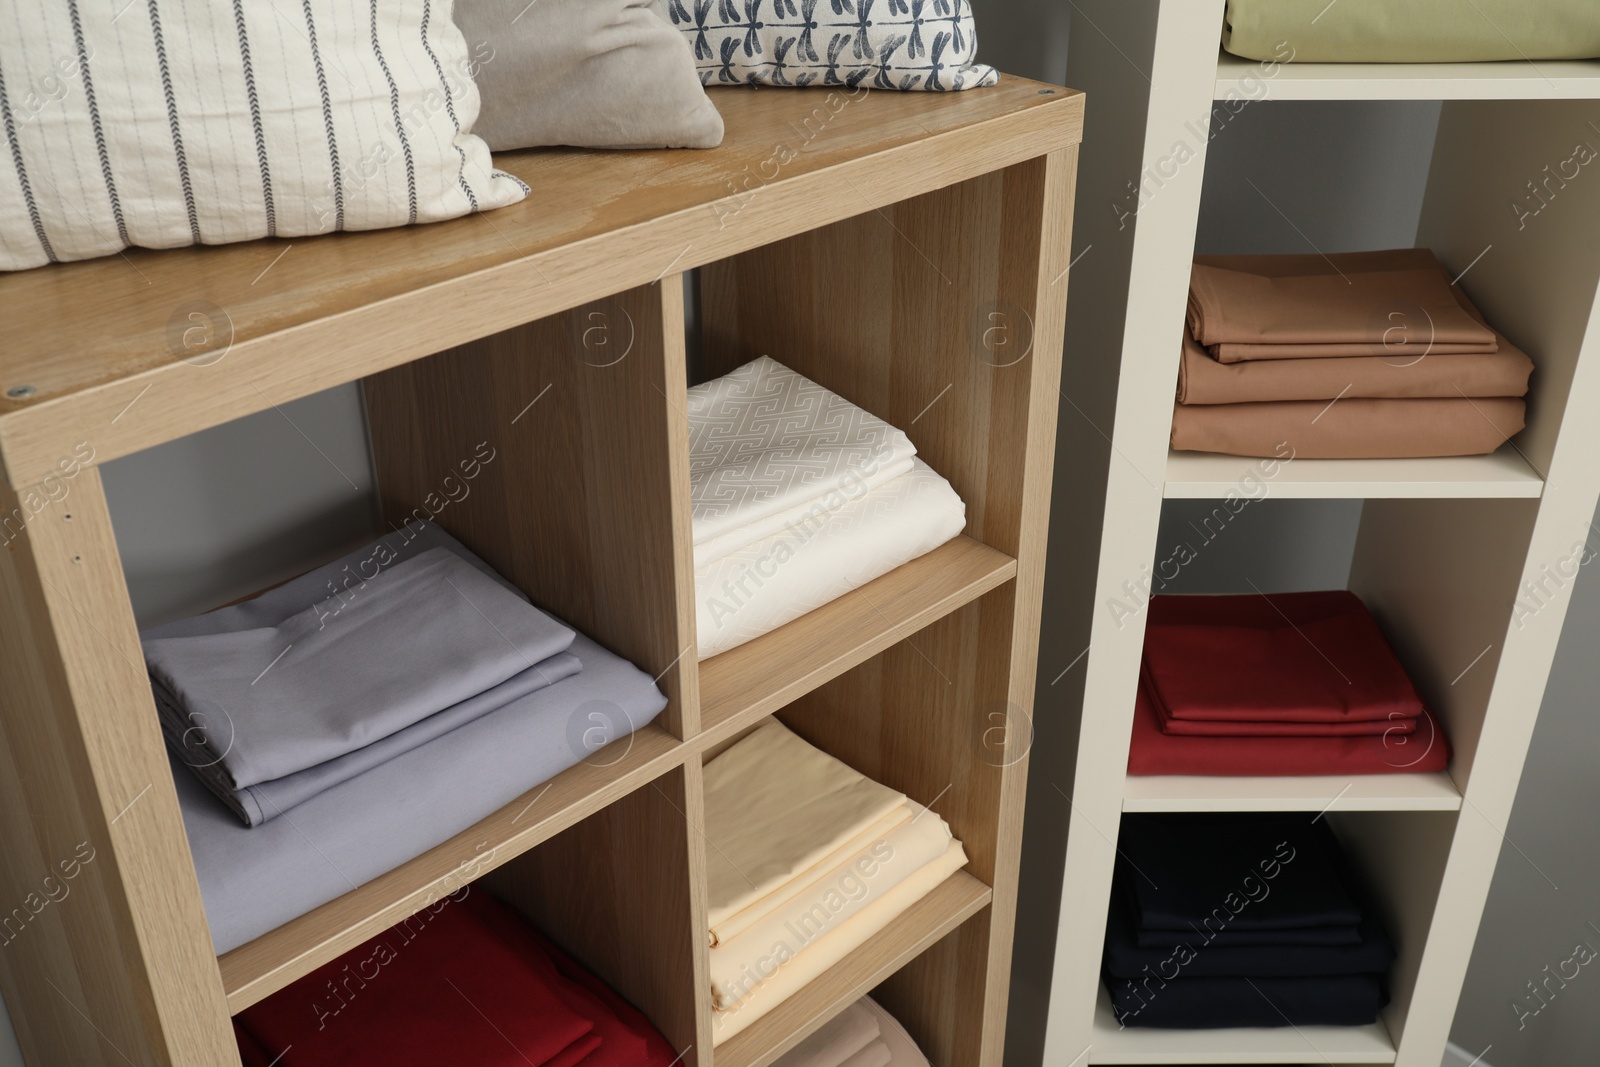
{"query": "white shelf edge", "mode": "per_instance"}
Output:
(1289, 1044)
(1512, 80)
(1370, 792)
(1209, 476)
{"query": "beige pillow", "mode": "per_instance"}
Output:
(590, 73)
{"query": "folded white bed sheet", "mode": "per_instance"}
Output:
(751, 591)
(836, 1040)
(767, 446)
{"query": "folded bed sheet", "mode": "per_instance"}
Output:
(769, 447)
(254, 879)
(1421, 750)
(903, 1050)
(776, 807)
(1404, 428)
(1212, 1003)
(340, 670)
(754, 589)
(1313, 658)
(1314, 306)
(778, 977)
(837, 1040)
(1204, 380)
(1416, 31)
(848, 889)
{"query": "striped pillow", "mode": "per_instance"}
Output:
(174, 122)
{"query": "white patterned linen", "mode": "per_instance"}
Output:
(756, 589)
(770, 449)
(897, 44)
(168, 122)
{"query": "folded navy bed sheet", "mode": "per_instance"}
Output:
(255, 879)
(1212, 1003)
(1276, 877)
(1190, 955)
(271, 700)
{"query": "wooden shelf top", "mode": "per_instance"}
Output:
(1511, 80)
(1367, 792)
(1277, 1045)
(1207, 476)
(131, 350)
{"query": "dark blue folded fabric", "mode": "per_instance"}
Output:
(1193, 956)
(1274, 877)
(1210, 1003)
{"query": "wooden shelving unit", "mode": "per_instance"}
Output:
(1466, 562)
(873, 259)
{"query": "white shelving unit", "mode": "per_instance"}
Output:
(1445, 546)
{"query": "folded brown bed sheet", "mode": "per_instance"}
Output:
(1397, 304)
(1399, 428)
(1203, 380)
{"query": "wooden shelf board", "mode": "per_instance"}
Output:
(1516, 80)
(1368, 792)
(261, 967)
(1288, 1044)
(1207, 476)
(339, 307)
(956, 900)
(747, 683)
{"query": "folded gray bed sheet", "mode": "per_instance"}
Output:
(255, 879)
(311, 672)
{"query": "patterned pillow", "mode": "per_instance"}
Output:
(897, 44)
(169, 122)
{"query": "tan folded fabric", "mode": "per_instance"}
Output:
(876, 1054)
(847, 890)
(736, 924)
(781, 977)
(1203, 380)
(838, 1039)
(775, 807)
(1349, 429)
(1397, 303)
(903, 1051)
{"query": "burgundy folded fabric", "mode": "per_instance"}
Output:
(1204, 380)
(1205, 728)
(1153, 752)
(1387, 303)
(1405, 428)
(1277, 658)
(453, 984)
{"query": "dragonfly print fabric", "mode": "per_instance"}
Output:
(881, 44)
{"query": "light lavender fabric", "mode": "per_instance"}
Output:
(256, 804)
(253, 880)
(590, 73)
(338, 672)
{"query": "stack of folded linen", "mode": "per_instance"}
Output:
(799, 496)
(808, 860)
(1350, 356)
(385, 702)
(466, 982)
(1224, 920)
(1280, 684)
(862, 1035)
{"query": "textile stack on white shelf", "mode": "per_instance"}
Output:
(808, 860)
(863, 1035)
(799, 496)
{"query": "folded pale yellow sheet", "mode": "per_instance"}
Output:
(838, 1039)
(849, 889)
(740, 921)
(775, 807)
(781, 975)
